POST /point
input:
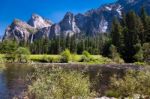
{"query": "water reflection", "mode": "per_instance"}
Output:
(3, 86)
(12, 79)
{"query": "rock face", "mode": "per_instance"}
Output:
(92, 22)
(68, 25)
(38, 22)
(19, 31)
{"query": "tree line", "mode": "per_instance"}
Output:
(131, 36)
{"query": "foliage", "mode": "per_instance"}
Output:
(140, 63)
(111, 93)
(45, 58)
(139, 52)
(65, 56)
(146, 51)
(117, 34)
(114, 55)
(76, 44)
(58, 84)
(130, 34)
(86, 57)
(22, 54)
(8, 47)
(134, 82)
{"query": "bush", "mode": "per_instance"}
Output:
(9, 57)
(75, 58)
(140, 63)
(53, 59)
(139, 53)
(111, 93)
(45, 58)
(114, 55)
(58, 84)
(134, 82)
(22, 54)
(65, 56)
(86, 57)
(146, 52)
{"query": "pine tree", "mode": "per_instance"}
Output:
(146, 22)
(131, 35)
(116, 33)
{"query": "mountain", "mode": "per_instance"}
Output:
(19, 31)
(92, 22)
(38, 22)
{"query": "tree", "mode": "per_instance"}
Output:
(116, 33)
(146, 23)
(132, 35)
(22, 54)
(8, 47)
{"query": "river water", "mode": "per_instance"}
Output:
(12, 79)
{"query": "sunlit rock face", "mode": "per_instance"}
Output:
(19, 31)
(92, 22)
(38, 22)
(68, 25)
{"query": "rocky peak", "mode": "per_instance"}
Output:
(19, 31)
(68, 21)
(19, 23)
(38, 22)
(68, 24)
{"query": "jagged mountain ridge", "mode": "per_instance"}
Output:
(92, 22)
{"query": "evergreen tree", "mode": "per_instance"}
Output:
(131, 35)
(116, 33)
(146, 23)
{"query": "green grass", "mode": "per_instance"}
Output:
(98, 59)
(95, 59)
(41, 56)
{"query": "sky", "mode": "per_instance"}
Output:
(53, 10)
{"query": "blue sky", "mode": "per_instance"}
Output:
(50, 9)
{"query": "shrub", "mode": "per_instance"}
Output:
(53, 59)
(140, 63)
(59, 84)
(9, 57)
(22, 54)
(114, 55)
(139, 53)
(134, 82)
(111, 93)
(75, 58)
(86, 57)
(146, 52)
(65, 56)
